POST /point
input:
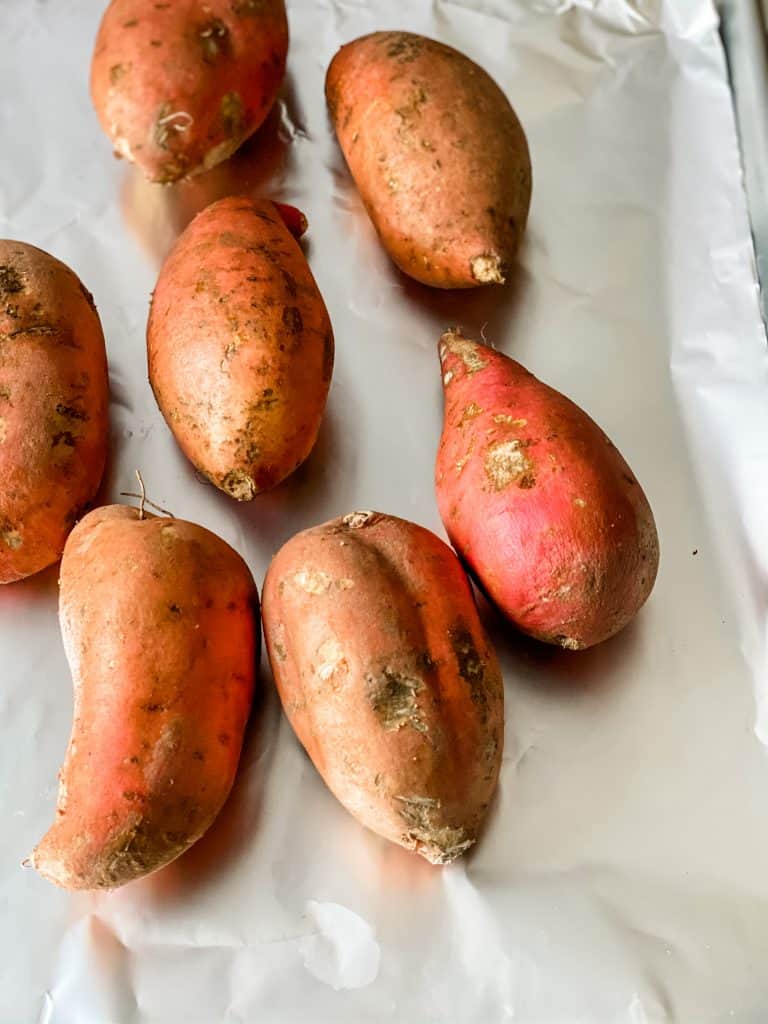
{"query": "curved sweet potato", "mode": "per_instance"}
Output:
(437, 153)
(387, 677)
(240, 347)
(179, 86)
(54, 427)
(538, 502)
(158, 618)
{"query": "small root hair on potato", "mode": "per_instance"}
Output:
(144, 500)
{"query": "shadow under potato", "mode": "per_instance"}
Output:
(547, 667)
(483, 313)
(157, 214)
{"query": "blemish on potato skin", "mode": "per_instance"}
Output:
(65, 438)
(330, 655)
(454, 343)
(507, 463)
(239, 485)
(470, 412)
(292, 320)
(232, 114)
(118, 71)
(10, 281)
(10, 536)
(392, 696)
(501, 417)
(315, 581)
(214, 40)
(3, 430)
(440, 844)
(357, 520)
(470, 664)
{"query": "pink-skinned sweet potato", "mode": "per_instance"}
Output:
(538, 502)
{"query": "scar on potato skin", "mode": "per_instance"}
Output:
(456, 344)
(239, 485)
(440, 844)
(10, 536)
(392, 696)
(470, 664)
(10, 281)
(506, 463)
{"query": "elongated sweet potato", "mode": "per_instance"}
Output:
(538, 502)
(240, 347)
(159, 622)
(178, 86)
(387, 677)
(54, 428)
(437, 153)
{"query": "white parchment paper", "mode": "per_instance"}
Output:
(622, 877)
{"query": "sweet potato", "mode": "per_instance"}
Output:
(387, 678)
(538, 502)
(53, 407)
(240, 347)
(159, 623)
(178, 86)
(437, 153)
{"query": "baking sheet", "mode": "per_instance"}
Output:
(622, 876)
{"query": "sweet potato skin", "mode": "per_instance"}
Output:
(54, 428)
(158, 619)
(437, 153)
(387, 677)
(538, 502)
(240, 347)
(178, 86)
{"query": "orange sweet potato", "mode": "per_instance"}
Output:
(437, 153)
(53, 407)
(387, 677)
(158, 618)
(240, 347)
(178, 86)
(538, 502)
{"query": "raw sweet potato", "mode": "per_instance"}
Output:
(437, 153)
(387, 677)
(538, 502)
(53, 407)
(178, 86)
(240, 347)
(158, 618)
